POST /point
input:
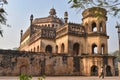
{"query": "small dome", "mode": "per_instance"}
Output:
(52, 12)
(94, 11)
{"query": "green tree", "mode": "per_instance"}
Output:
(25, 77)
(116, 60)
(116, 54)
(112, 6)
(2, 15)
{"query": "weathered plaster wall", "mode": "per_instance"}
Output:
(14, 63)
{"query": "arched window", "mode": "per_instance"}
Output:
(56, 25)
(108, 71)
(56, 48)
(23, 69)
(94, 27)
(94, 49)
(34, 49)
(53, 25)
(94, 70)
(48, 25)
(62, 48)
(37, 48)
(48, 49)
(101, 27)
(102, 48)
(76, 49)
(76, 64)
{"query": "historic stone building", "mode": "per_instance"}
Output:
(54, 46)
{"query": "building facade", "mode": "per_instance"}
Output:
(70, 48)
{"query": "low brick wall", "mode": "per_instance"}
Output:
(14, 63)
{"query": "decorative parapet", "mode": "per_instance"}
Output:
(76, 29)
(48, 32)
(71, 29)
(43, 32)
(61, 31)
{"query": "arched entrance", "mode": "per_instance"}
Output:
(38, 49)
(108, 71)
(76, 49)
(76, 64)
(48, 49)
(94, 70)
(56, 48)
(62, 48)
(23, 69)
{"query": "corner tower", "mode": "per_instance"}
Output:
(94, 21)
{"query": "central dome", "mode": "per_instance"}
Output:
(52, 12)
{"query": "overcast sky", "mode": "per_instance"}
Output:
(19, 12)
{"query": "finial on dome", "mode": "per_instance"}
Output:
(52, 12)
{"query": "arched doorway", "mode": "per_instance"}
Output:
(76, 49)
(94, 70)
(38, 49)
(108, 71)
(48, 49)
(62, 48)
(56, 48)
(23, 69)
(34, 49)
(76, 64)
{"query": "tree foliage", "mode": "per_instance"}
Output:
(2, 15)
(116, 60)
(112, 6)
(116, 54)
(25, 77)
(117, 57)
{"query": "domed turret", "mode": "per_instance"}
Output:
(31, 19)
(95, 19)
(52, 12)
(94, 12)
(66, 17)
